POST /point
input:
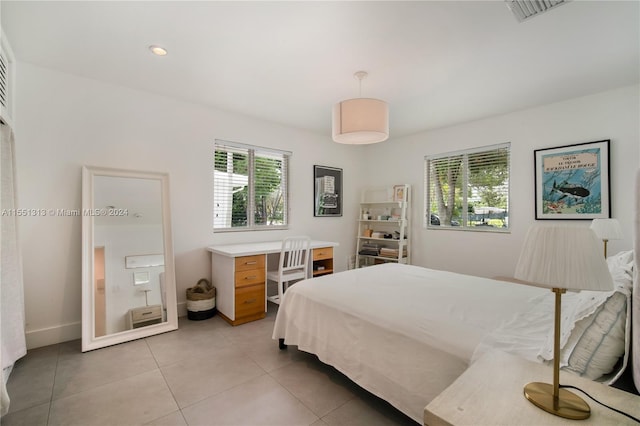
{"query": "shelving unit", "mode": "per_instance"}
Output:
(383, 226)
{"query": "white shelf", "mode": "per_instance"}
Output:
(376, 202)
(382, 239)
(389, 259)
(398, 203)
(381, 221)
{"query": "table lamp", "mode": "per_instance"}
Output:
(561, 258)
(607, 229)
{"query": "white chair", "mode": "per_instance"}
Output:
(294, 258)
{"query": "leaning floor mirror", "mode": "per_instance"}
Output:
(128, 276)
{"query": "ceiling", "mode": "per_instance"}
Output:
(436, 63)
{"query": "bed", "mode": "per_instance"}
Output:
(405, 333)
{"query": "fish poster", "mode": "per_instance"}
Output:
(572, 182)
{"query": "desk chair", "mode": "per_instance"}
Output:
(294, 258)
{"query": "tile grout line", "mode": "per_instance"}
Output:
(264, 373)
(53, 385)
(166, 384)
(180, 409)
(294, 396)
(107, 382)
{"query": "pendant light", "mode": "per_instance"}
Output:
(361, 120)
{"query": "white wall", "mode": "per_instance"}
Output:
(63, 122)
(610, 115)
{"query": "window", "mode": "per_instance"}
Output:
(249, 187)
(468, 190)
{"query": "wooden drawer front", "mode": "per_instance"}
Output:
(247, 263)
(246, 278)
(323, 253)
(146, 313)
(249, 300)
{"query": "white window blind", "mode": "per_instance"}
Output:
(249, 187)
(468, 190)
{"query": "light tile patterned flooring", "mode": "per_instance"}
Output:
(205, 373)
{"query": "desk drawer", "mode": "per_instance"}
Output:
(145, 313)
(250, 300)
(247, 263)
(247, 278)
(323, 253)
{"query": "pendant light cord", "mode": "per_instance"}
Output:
(360, 75)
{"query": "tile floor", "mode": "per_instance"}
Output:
(205, 373)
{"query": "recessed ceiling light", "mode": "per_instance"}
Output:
(157, 50)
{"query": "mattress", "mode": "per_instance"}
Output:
(402, 332)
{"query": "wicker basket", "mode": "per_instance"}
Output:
(201, 301)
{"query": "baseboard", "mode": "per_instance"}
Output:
(182, 309)
(66, 332)
(52, 335)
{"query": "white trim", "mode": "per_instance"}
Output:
(253, 147)
(468, 151)
(89, 340)
(53, 335)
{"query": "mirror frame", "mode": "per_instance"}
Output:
(89, 340)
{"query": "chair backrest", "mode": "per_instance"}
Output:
(294, 253)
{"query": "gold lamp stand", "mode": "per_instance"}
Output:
(549, 397)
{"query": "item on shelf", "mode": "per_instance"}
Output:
(370, 249)
(377, 234)
(368, 232)
(392, 252)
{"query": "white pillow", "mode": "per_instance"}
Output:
(597, 341)
(594, 324)
(621, 268)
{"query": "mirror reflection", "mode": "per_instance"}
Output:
(132, 227)
(128, 261)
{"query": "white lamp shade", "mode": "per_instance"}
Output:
(360, 121)
(563, 257)
(607, 229)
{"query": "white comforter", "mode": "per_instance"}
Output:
(402, 332)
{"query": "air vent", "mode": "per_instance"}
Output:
(3, 80)
(527, 9)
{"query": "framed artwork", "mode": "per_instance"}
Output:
(327, 199)
(572, 181)
(398, 193)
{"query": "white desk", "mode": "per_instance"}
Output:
(490, 392)
(238, 273)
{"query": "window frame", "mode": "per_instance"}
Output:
(465, 184)
(253, 151)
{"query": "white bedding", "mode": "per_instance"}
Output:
(402, 332)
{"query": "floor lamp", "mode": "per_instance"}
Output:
(607, 229)
(561, 258)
